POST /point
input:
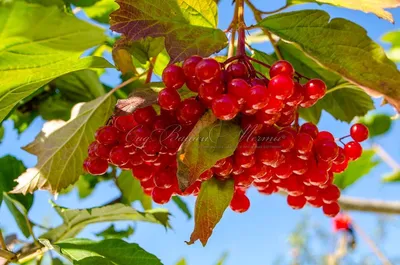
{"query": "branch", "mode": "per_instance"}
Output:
(2, 242)
(10, 256)
(367, 205)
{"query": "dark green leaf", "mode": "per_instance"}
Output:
(56, 261)
(101, 10)
(265, 58)
(80, 86)
(47, 53)
(189, 27)
(1, 133)
(114, 251)
(55, 108)
(341, 46)
(76, 220)
(392, 177)
(82, 3)
(213, 199)
(209, 141)
(19, 212)
(182, 205)
(378, 124)
(356, 169)
(110, 233)
(22, 120)
(94, 260)
(132, 190)
(376, 7)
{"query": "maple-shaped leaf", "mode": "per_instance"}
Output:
(188, 26)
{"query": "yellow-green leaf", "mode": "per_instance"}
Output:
(213, 199)
(376, 7)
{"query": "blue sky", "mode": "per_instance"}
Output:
(256, 237)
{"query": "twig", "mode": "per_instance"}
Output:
(8, 255)
(127, 82)
(384, 260)
(367, 205)
(3, 244)
(386, 157)
(257, 15)
(241, 49)
(29, 225)
(274, 11)
(33, 253)
(151, 68)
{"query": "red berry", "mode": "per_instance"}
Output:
(107, 135)
(119, 156)
(281, 87)
(145, 115)
(92, 149)
(102, 151)
(318, 177)
(224, 170)
(327, 150)
(143, 172)
(274, 106)
(238, 70)
(299, 166)
(311, 192)
(210, 91)
(303, 143)
(283, 171)
(315, 89)
(225, 107)
(247, 146)
(359, 132)
(243, 180)
(189, 65)
(267, 119)
(317, 202)
(244, 161)
(307, 103)
(339, 168)
(281, 68)
(169, 99)
(341, 158)
(286, 140)
(331, 209)
(206, 175)
(324, 135)
(173, 76)
(152, 146)
(208, 70)
(95, 165)
(239, 88)
(240, 203)
(296, 202)
(286, 120)
(330, 194)
(193, 84)
(297, 97)
(139, 136)
(189, 111)
(310, 129)
(136, 159)
(341, 222)
(161, 196)
(353, 150)
(266, 155)
(124, 123)
(165, 178)
(257, 97)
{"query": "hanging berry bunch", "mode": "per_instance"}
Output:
(274, 153)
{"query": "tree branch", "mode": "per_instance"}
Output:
(367, 205)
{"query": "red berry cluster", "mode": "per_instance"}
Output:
(274, 152)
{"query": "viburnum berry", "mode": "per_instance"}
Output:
(324, 135)
(169, 99)
(208, 70)
(239, 88)
(210, 91)
(315, 89)
(173, 76)
(281, 68)
(331, 209)
(281, 86)
(193, 83)
(296, 202)
(92, 149)
(273, 106)
(225, 107)
(189, 65)
(238, 70)
(189, 111)
(309, 128)
(359, 132)
(244, 161)
(124, 123)
(119, 156)
(161, 195)
(257, 97)
(107, 135)
(102, 151)
(240, 203)
(353, 150)
(297, 97)
(303, 143)
(145, 115)
(95, 165)
(327, 150)
(247, 146)
(330, 194)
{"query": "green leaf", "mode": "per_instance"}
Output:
(76, 220)
(112, 251)
(343, 101)
(1, 133)
(101, 10)
(189, 27)
(82, 3)
(377, 123)
(393, 38)
(222, 260)
(265, 58)
(392, 177)
(181, 262)
(55, 108)
(56, 261)
(110, 233)
(340, 46)
(86, 184)
(376, 7)
(18, 205)
(22, 120)
(36, 48)
(66, 142)
(80, 86)
(182, 205)
(209, 141)
(213, 199)
(356, 169)
(19, 212)
(132, 190)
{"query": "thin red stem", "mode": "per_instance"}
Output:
(259, 62)
(241, 50)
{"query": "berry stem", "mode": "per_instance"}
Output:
(241, 50)
(259, 62)
(151, 68)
